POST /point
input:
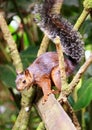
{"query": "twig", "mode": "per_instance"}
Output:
(87, 7)
(79, 74)
(43, 46)
(81, 19)
(61, 63)
(57, 7)
(76, 79)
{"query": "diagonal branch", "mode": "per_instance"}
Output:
(24, 114)
(79, 74)
(11, 44)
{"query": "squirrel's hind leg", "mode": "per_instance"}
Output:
(55, 75)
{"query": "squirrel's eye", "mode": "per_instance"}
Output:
(24, 81)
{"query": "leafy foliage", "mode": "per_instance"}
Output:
(84, 95)
(7, 75)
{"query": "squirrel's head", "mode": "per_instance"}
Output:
(24, 80)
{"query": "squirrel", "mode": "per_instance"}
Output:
(45, 69)
(42, 72)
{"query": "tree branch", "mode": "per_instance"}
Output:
(43, 46)
(59, 49)
(24, 114)
(87, 7)
(79, 74)
(81, 19)
(27, 96)
(53, 115)
(69, 110)
(11, 44)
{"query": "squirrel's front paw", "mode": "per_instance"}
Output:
(45, 98)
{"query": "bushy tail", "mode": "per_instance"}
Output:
(53, 25)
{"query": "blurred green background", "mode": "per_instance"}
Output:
(19, 17)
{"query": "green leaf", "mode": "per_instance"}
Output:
(7, 75)
(84, 95)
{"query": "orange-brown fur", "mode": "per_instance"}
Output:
(42, 72)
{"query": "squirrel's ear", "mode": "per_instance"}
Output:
(27, 72)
